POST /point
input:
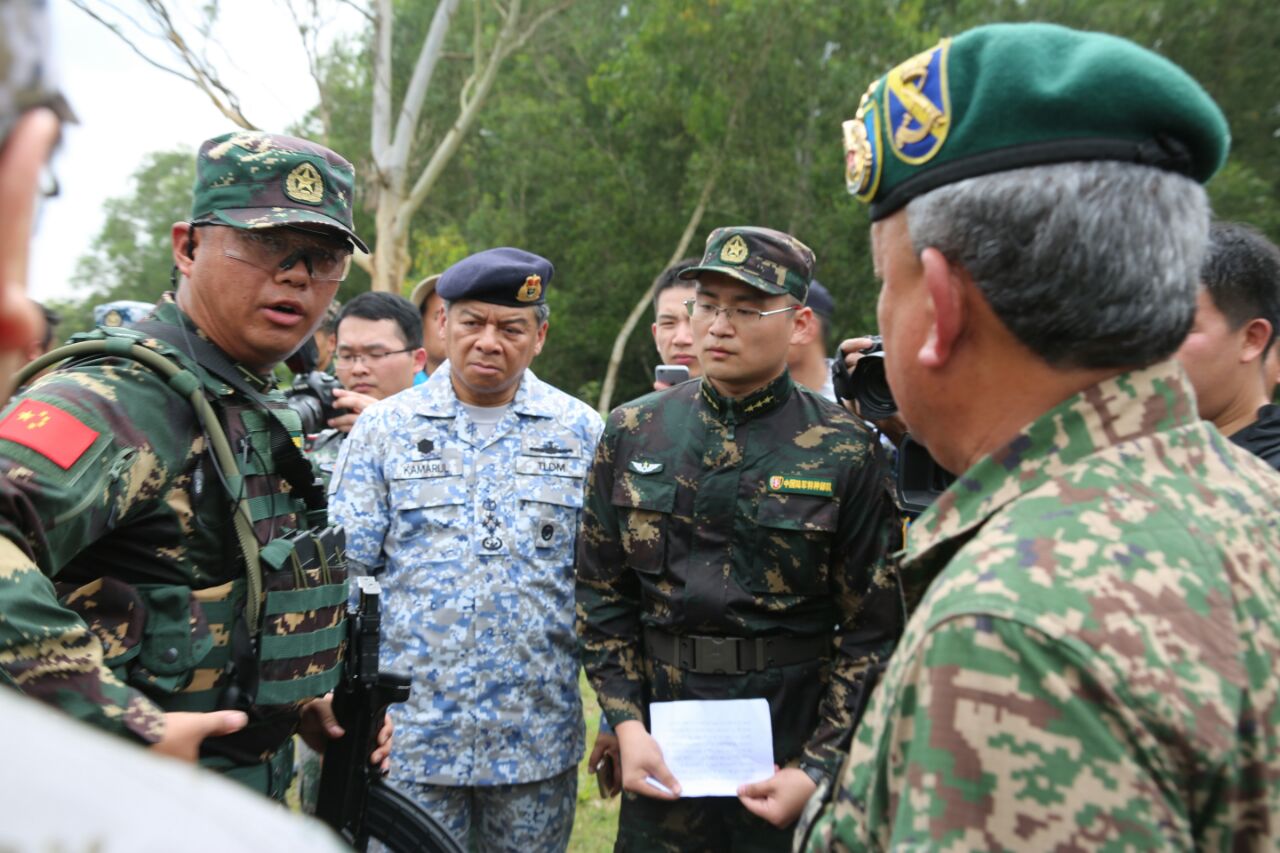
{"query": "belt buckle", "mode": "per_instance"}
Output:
(716, 655)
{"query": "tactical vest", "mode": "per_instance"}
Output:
(274, 636)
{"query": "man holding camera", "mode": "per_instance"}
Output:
(166, 467)
(734, 546)
(1094, 662)
(463, 497)
(376, 356)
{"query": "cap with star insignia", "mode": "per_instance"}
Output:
(765, 259)
(249, 179)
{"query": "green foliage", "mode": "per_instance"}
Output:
(600, 134)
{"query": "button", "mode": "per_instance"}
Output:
(169, 655)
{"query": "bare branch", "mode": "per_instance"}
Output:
(307, 34)
(115, 28)
(416, 93)
(380, 126)
(547, 15)
(362, 10)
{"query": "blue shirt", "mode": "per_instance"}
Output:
(473, 538)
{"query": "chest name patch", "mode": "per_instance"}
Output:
(49, 431)
(783, 485)
(425, 468)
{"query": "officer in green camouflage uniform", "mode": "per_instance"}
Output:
(1093, 666)
(733, 546)
(197, 584)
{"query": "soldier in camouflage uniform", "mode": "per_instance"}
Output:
(463, 495)
(734, 546)
(195, 585)
(1093, 666)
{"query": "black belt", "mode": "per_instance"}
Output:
(732, 655)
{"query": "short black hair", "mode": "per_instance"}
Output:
(667, 278)
(376, 305)
(1241, 271)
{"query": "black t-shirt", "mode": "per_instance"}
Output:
(1262, 437)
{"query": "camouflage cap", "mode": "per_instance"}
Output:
(761, 257)
(250, 179)
(1008, 96)
(27, 80)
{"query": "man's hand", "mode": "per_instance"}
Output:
(357, 403)
(851, 349)
(606, 745)
(642, 758)
(661, 386)
(319, 726)
(780, 798)
(184, 732)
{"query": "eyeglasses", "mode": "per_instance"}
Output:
(706, 312)
(350, 359)
(272, 250)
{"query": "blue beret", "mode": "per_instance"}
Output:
(503, 276)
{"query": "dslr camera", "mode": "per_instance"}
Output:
(867, 385)
(311, 396)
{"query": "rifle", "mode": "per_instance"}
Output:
(353, 798)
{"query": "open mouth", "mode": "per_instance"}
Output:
(284, 313)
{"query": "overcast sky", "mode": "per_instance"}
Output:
(128, 109)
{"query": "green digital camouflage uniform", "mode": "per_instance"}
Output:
(759, 517)
(1095, 666)
(146, 612)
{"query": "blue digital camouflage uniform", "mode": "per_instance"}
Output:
(473, 541)
(1095, 665)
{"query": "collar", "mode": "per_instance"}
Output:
(437, 399)
(167, 311)
(1121, 409)
(736, 410)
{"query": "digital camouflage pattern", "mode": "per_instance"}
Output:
(27, 76)
(756, 517)
(323, 449)
(472, 538)
(250, 179)
(1094, 665)
(536, 817)
(148, 578)
(765, 259)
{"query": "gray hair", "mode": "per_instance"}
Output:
(541, 311)
(1090, 265)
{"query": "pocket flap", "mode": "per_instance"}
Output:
(559, 492)
(441, 491)
(798, 512)
(644, 492)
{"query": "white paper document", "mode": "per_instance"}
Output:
(712, 747)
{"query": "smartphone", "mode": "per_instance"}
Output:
(608, 779)
(671, 374)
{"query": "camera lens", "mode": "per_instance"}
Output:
(871, 388)
(310, 411)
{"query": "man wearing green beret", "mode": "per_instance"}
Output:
(733, 546)
(200, 593)
(1093, 663)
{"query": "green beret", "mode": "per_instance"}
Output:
(1008, 96)
(765, 259)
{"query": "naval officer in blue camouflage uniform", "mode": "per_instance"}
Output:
(463, 496)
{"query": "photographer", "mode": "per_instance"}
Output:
(377, 356)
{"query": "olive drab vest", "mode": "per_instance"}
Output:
(195, 647)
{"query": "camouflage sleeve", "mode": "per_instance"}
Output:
(608, 597)
(868, 601)
(999, 737)
(85, 449)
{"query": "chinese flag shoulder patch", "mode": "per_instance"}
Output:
(49, 431)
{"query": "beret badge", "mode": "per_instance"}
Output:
(918, 105)
(862, 148)
(530, 290)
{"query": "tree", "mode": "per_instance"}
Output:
(407, 160)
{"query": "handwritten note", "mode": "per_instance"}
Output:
(712, 747)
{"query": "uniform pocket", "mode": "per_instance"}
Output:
(644, 518)
(548, 517)
(794, 540)
(431, 518)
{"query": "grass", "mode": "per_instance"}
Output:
(595, 824)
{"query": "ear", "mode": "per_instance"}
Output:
(419, 359)
(944, 283)
(180, 234)
(542, 339)
(805, 328)
(1256, 336)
